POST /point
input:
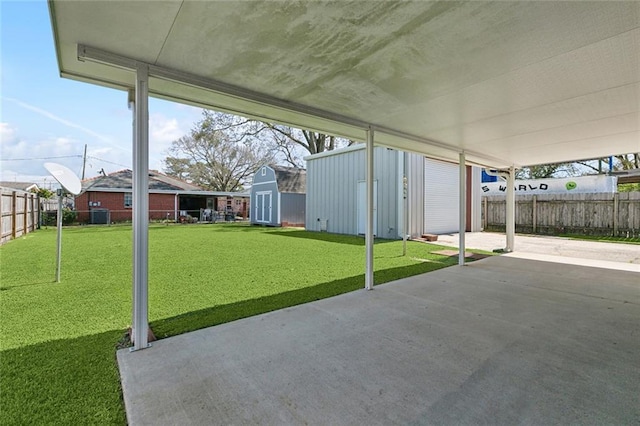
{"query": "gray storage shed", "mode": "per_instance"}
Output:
(336, 196)
(278, 196)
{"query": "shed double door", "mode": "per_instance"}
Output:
(263, 206)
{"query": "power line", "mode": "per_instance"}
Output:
(106, 161)
(40, 158)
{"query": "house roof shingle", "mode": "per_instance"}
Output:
(21, 186)
(123, 179)
(291, 179)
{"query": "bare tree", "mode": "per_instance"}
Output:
(579, 168)
(221, 152)
(293, 144)
(620, 162)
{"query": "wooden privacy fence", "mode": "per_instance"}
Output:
(20, 212)
(552, 214)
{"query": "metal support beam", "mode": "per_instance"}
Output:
(462, 209)
(368, 240)
(141, 209)
(511, 210)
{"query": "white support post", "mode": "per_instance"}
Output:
(175, 209)
(368, 240)
(462, 209)
(405, 201)
(511, 210)
(141, 209)
(59, 237)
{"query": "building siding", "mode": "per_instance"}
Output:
(292, 209)
(416, 193)
(332, 184)
(159, 206)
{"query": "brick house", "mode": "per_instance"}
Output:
(106, 199)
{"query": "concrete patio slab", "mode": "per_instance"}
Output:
(549, 246)
(500, 341)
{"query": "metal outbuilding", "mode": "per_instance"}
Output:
(336, 193)
(278, 196)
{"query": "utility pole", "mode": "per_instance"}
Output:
(84, 161)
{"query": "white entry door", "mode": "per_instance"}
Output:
(263, 207)
(362, 207)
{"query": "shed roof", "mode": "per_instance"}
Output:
(291, 179)
(123, 179)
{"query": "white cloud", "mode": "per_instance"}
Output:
(23, 159)
(7, 133)
(163, 131)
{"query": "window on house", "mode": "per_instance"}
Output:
(238, 202)
(264, 171)
(128, 199)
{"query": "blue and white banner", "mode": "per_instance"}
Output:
(582, 184)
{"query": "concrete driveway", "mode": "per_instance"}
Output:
(552, 248)
(500, 341)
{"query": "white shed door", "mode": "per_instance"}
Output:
(362, 207)
(441, 199)
(263, 207)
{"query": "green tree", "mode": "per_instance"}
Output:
(43, 193)
(220, 153)
(546, 171)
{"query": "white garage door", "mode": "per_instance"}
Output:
(441, 197)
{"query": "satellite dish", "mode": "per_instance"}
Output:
(70, 183)
(65, 177)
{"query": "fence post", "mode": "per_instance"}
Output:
(485, 210)
(33, 212)
(615, 214)
(534, 213)
(25, 223)
(14, 206)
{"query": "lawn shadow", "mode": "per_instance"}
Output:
(216, 315)
(355, 240)
(38, 283)
(66, 381)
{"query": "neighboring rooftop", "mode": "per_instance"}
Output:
(627, 176)
(21, 186)
(291, 179)
(123, 179)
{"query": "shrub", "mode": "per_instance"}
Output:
(68, 216)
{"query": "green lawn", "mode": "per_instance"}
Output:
(58, 341)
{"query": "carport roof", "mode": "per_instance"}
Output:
(517, 83)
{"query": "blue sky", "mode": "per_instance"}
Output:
(43, 115)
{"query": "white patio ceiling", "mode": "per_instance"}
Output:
(517, 83)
